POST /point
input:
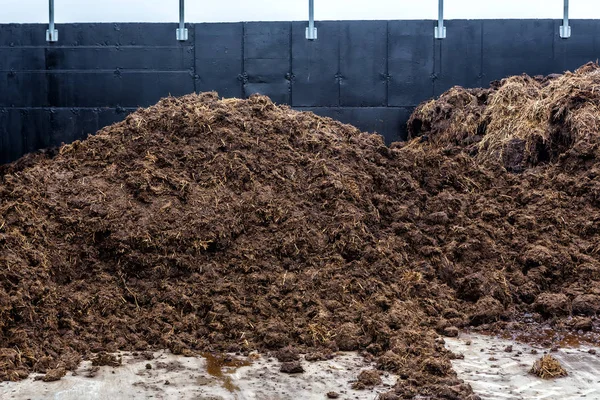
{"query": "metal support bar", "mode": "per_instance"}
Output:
(440, 29)
(565, 29)
(311, 31)
(51, 32)
(182, 32)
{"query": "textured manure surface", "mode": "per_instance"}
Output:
(207, 225)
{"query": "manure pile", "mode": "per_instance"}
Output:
(201, 224)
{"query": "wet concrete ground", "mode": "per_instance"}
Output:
(177, 377)
(497, 374)
(497, 369)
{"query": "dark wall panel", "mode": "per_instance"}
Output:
(24, 131)
(108, 116)
(93, 34)
(126, 89)
(267, 60)
(119, 34)
(91, 89)
(583, 46)
(11, 140)
(512, 47)
(315, 65)
(390, 122)
(363, 63)
(458, 57)
(23, 89)
(16, 35)
(219, 58)
(175, 58)
(68, 125)
(411, 62)
(20, 58)
(35, 126)
(368, 73)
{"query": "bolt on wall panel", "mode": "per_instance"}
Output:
(222, 75)
(109, 116)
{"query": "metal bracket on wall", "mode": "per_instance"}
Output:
(565, 29)
(311, 31)
(182, 32)
(51, 32)
(440, 29)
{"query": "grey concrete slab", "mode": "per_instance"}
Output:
(185, 378)
(496, 374)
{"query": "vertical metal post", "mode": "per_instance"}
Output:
(565, 29)
(182, 32)
(51, 32)
(440, 29)
(311, 31)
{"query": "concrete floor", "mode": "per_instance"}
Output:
(199, 378)
(494, 374)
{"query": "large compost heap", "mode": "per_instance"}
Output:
(201, 224)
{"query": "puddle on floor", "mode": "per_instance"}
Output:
(211, 377)
(497, 374)
(221, 366)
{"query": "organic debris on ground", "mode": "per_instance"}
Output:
(367, 378)
(208, 225)
(548, 367)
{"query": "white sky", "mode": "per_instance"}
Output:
(285, 10)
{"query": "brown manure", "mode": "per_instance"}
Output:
(520, 121)
(548, 367)
(207, 225)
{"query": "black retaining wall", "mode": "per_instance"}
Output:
(368, 73)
